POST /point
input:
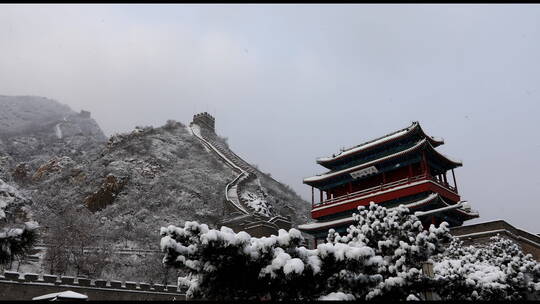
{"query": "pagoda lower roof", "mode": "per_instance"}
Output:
(379, 141)
(459, 207)
(424, 143)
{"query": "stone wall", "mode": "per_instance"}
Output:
(85, 114)
(205, 120)
(482, 232)
(15, 286)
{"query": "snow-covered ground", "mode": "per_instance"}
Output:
(257, 203)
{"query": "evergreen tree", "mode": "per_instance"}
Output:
(496, 271)
(16, 242)
(18, 233)
(399, 240)
(378, 258)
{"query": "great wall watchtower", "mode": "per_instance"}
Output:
(205, 120)
(85, 114)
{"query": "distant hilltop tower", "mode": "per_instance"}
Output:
(205, 120)
(85, 114)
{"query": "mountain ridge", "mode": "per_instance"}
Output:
(158, 173)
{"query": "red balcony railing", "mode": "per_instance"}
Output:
(386, 186)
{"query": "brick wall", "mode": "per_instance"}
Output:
(15, 286)
(204, 120)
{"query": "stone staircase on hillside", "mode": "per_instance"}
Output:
(231, 189)
(240, 216)
(251, 172)
(237, 160)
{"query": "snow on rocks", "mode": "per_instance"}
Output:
(257, 203)
(10, 197)
(54, 165)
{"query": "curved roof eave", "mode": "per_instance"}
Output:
(369, 144)
(317, 178)
(379, 141)
(434, 141)
(314, 226)
(370, 163)
(458, 207)
(445, 158)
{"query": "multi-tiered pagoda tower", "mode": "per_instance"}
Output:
(401, 168)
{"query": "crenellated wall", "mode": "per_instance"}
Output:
(85, 114)
(205, 120)
(16, 286)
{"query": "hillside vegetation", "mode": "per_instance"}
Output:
(125, 187)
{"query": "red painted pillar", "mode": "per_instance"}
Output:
(384, 178)
(410, 172)
(350, 187)
(433, 220)
(320, 192)
(312, 196)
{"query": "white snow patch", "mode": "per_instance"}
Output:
(257, 203)
(338, 296)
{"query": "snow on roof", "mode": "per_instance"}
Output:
(319, 225)
(497, 231)
(378, 141)
(330, 174)
(370, 143)
(458, 206)
(62, 295)
(339, 172)
(422, 201)
(455, 161)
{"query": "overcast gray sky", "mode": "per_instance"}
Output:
(290, 83)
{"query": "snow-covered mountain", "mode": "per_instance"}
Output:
(35, 129)
(134, 183)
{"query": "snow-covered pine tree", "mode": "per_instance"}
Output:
(402, 245)
(379, 257)
(224, 265)
(496, 271)
(16, 238)
(16, 242)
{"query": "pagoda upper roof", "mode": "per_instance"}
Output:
(421, 144)
(364, 147)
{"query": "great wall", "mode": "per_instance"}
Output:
(17, 286)
(238, 215)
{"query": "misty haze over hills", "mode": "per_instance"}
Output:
(290, 83)
(123, 188)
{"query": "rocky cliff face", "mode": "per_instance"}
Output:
(133, 183)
